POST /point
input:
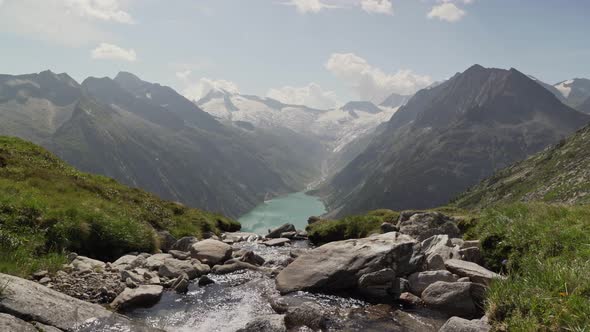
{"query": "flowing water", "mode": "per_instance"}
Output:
(293, 208)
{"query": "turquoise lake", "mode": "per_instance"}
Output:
(293, 208)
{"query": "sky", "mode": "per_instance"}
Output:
(321, 53)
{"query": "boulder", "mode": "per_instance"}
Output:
(308, 314)
(435, 262)
(278, 242)
(172, 268)
(204, 281)
(10, 323)
(182, 255)
(184, 244)
(229, 268)
(123, 262)
(276, 233)
(29, 300)
(426, 224)
(419, 281)
(268, 323)
(211, 251)
(378, 278)
(339, 265)
(252, 258)
(85, 264)
(155, 261)
(461, 299)
(470, 254)
(288, 235)
(180, 285)
(410, 299)
(40, 274)
(458, 324)
(475, 272)
(440, 245)
(133, 276)
(166, 240)
(142, 296)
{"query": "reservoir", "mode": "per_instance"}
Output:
(293, 208)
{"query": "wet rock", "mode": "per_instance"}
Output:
(276, 233)
(419, 281)
(461, 299)
(205, 280)
(278, 242)
(233, 267)
(339, 265)
(172, 268)
(475, 272)
(180, 285)
(458, 324)
(142, 296)
(11, 323)
(211, 251)
(387, 227)
(182, 255)
(184, 244)
(24, 298)
(166, 240)
(426, 224)
(268, 323)
(252, 258)
(306, 314)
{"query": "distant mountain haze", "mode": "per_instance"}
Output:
(450, 136)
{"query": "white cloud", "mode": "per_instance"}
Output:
(311, 95)
(371, 83)
(197, 90)
(106, 10)
(106, 51)
(309, 6)
(66, 22)
(447, 11)
(377, 6)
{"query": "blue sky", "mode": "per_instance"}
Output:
(318, 52)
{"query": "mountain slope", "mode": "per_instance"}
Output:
(559, 174)
(47, 206)
(575, 91)
(449, 137)
(395, 100)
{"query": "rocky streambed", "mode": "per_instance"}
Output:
(416, 276)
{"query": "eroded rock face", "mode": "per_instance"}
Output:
(27, 299)
(142, 296)
(423, 225)
(211, 251)
(339, 265)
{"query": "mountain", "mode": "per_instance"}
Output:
(585, 107)
(575, 91)
(449, 137)
(333, 130)
(559, 174)
(395, 100)
(148, 136)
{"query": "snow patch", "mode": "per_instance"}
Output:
(565, 88)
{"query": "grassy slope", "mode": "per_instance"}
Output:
(47, 207)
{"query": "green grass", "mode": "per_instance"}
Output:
(352, 227)
(48, 208)
(546, 252)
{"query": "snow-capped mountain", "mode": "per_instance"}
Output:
(395, 100)
(335, 127)
(575, 91)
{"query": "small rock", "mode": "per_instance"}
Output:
(268, 323)
(211, 251)
(435, 262)
(458, 324)
(45, 280)
(276, 233)
(205, 280)
(419, 281)
(130, 283)
(471, 254)
(252, 258)
(155, 261)
(142, 296)
(288, 235)
(180, 285)
(40, 274)
(306, 314)
(182, 255)
(410, 299)
(278, 242)
(229, 268)
(475, 272)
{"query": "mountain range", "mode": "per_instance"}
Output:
(448, 137)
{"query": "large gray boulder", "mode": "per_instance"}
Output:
(475, 272)
(458, 324)
(172, 268)
(142, 296)
(426, 224)
(276, 233)
(268, 323)
(461, 299)
(28, 300)
(440, 245)
(339, 265)
(10, 323)
(155, 261)
(211, 251)
(419, 281)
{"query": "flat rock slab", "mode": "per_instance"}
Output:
(277, 242)
(26, 299)
(142, 296)
(339, 265)
(476, 273)
(10, 323)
